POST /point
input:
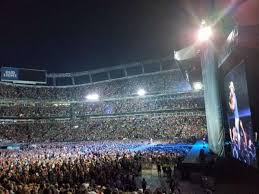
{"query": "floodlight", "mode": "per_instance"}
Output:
(203, 22)
(141, 92)
(92, 97)
(205, 33)
(197, 85)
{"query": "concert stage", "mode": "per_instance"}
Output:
(193, 156)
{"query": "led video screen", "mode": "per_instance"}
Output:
(20, 75)
(240, 127)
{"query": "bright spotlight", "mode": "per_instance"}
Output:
(205, 33)
(141, 92)
(197, 85)
(92, 97)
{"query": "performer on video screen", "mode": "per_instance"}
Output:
(234, 140)
(233, 107)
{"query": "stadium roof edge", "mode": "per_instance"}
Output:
(107, 69)
(90, 83)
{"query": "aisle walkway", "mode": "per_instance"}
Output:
(154, 181)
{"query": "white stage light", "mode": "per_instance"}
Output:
(92, 97)
(141, 92)
(197, 85)
(205, 33)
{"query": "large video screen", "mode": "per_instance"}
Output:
(19, 75)
(240, 127)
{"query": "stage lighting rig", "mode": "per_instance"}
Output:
(205, 32)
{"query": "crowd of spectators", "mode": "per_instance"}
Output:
(136, 105)
(84, 168)
(159, 126)
(20, 110)
(70, 145)
(163, 82)
(54, 114)
(108, 107)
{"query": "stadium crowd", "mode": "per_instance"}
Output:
(54, 114)
(77, 168)
(162, 82)
(20, 110)
(70, 145)
(160, 126)
(135, 105)
(118, 106)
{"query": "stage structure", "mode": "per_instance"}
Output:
(211, 92)
(237, 52)
(204, 46)
(212, 100)
(238, 66)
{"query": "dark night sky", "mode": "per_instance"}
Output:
(69, 36)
